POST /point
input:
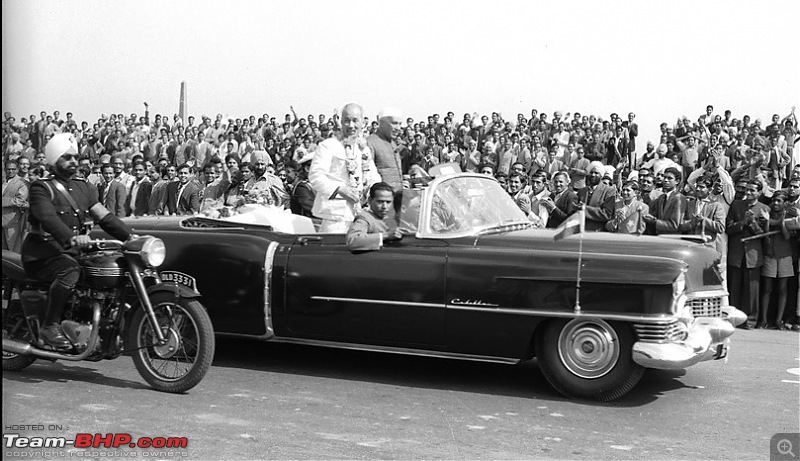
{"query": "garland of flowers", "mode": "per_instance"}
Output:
(357, 165)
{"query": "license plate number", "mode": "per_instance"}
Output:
(180, 278)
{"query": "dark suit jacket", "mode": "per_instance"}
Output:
(752, 252)
(668, 212)
(364, 233)
(187, 203)
(599, 207)
(142, 199)
(565, 206)
(113, 197)
(303, 198)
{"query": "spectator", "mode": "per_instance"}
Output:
(15, 207)
(562, 202)
(112, 192)
(539, 194)
(778, 267)
(265, 184)
(183, 195)
(705, 216)
(746, 218)
(661, 162)
(213, 186)
(159, 180)
(629, 211)
(139, 198)
(666, 212)
(579, 170)
(523, 200)
(302, 194)
(596, 199)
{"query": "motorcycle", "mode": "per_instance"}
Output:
(121, 305)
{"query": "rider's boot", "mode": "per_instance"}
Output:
(51, 333)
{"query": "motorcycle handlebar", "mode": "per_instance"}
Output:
(102, 244)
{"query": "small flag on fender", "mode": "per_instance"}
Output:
(575, 224)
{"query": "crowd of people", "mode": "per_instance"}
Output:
(731, 180)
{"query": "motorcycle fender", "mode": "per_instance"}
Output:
(174, 289)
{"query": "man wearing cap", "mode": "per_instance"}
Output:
(265, 183)
(342, 170)
(386, 151)
(596, 198)
(59, 205)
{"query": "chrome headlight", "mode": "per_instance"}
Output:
(153, 252)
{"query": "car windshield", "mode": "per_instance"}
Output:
(467, 205)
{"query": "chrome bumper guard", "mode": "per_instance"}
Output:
(707, 338)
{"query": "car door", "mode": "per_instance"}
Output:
(392, 296)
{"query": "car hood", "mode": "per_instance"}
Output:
(609, 258)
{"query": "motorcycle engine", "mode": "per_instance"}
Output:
(77, 333)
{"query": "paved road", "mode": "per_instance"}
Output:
(279, 401)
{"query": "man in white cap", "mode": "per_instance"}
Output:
(597, 197)
(341, 172)
(59, 205)
(386, 151)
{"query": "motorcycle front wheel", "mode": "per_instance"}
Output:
(184, 359)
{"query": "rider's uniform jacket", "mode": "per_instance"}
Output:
(53, 219)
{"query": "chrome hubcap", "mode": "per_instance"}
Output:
(588, 348)
(169, 348)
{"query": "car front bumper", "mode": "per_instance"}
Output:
(707, 338)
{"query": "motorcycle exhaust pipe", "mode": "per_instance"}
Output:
(17, 347)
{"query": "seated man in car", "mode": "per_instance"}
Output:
(371, 227)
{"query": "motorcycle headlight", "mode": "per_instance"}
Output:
(153, 252)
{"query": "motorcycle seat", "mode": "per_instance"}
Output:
(13, 269)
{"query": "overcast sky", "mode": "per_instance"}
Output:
(660, 60)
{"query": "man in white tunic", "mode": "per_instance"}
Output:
(342, 171)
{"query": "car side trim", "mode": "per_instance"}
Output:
(397, 350)
(269, 260)
(656, 319)
(377, 301)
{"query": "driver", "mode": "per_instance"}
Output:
(59, 205)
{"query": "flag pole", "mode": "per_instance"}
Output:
(580, 260)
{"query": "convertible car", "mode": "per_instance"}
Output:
(471, 279)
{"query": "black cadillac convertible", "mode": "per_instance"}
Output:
(471, 280)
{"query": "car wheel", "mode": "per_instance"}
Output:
(588, 358)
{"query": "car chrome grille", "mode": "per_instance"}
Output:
(706, 307)
(658, 333)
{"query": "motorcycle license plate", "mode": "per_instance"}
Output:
(180, 278)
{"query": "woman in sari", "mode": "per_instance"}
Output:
(628, 211)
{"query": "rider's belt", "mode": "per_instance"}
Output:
(36, 229)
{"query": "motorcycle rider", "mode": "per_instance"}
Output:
(59, 205)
